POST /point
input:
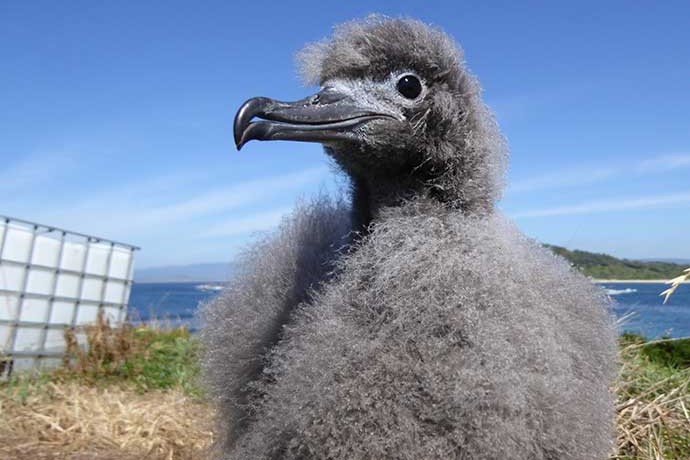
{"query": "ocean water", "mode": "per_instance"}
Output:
(646, 314)
(170, 303)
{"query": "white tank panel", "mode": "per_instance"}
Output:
(114, 291)
(46, 251)
(62, 312)
(111, 314)
(73, 256)
(17, 244)
(119, 265)
(28, 339)
(87, 314)
(22, 364)
(97, 260)
(8, 306)
(12, 277)
(55, 340)
(5, 331)
(91, 289)
(3, 227)
(40, 281)
(49, 363)
(34, 310)
(67, 285)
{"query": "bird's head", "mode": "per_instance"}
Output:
(396, 109)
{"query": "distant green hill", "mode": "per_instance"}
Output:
(600, 266)
(604, 266)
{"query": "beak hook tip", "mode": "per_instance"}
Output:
(239, 143)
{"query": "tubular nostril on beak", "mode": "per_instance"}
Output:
(326, 96)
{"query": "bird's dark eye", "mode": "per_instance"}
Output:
(409, 86)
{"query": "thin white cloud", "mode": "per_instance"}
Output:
(235, 196)
(35, 170)
(124, 215)
(607, 206)
(663, 163)
(578, 177)
(248, 224)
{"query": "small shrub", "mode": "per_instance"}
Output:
(107, 349)
(671, 353)
(147, 357)
(171, 359)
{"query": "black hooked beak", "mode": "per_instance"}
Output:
(326, 116)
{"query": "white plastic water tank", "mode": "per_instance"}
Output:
(67, 285)
(10, 277)
(91, 289)
(62, 312)
(28, 339)
(97, 260)
(17, 243)
(46, 251)
(35, 310)
(40, 281)
(73, 255)
(3, 227)
(121, 263)
(50, 279)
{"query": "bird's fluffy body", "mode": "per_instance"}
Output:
(440, 331)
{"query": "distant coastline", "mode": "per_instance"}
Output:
(609, 269)
(181, 281)
(212, 272)
(602, 268)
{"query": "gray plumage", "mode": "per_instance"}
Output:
(417, 322)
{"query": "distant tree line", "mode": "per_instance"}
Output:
(604, 266)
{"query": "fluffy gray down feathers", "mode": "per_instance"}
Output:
(454, 119)
(439, 334)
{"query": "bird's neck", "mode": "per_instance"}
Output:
(370, 197)
(361, 205)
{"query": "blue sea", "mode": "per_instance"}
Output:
(176, 303)
(170, 303)
(645, 312)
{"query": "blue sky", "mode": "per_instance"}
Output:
(116, 117)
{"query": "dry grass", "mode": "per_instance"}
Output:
(653, 408)
(119, 399)
(107, 348)
(675, 282)
(130, 393)
(150, 357)
(75, 421)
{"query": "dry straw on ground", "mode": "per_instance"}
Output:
(125, 395)
(74, 421)
(84, 412)
(77, 422)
